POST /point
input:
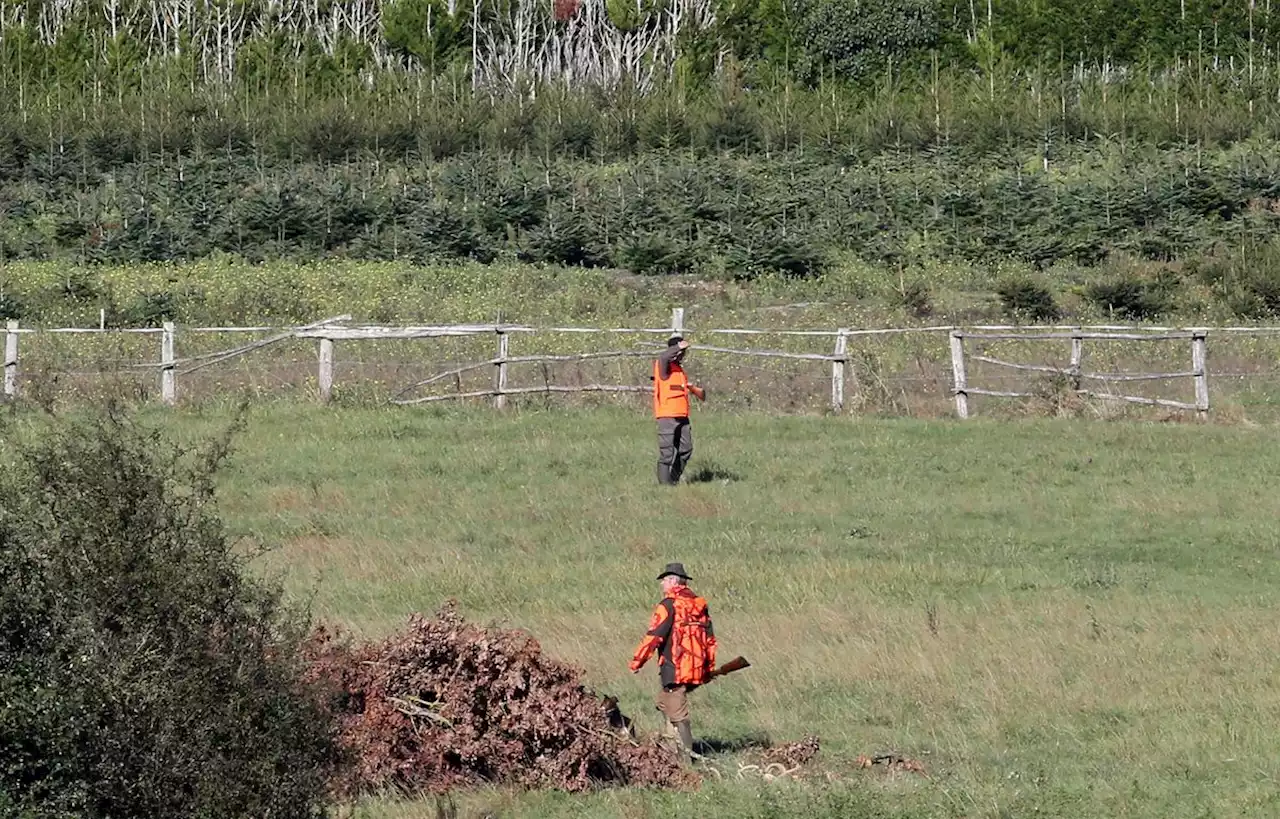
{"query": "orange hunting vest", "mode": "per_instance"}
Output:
(670, 397)
(692, 651)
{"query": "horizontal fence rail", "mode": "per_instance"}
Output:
(967, 345)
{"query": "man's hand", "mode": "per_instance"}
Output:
(698, 392)
(634, 666)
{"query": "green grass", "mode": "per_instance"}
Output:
(1060, 618)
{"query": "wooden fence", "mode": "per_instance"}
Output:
(1074, 376)
(844, 341)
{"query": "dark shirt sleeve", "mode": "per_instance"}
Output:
(662, 629)
(664, 361)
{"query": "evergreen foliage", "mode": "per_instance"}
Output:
(660, 212)
(1026, 298)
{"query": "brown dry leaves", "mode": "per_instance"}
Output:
(793, 754)
(446, 703)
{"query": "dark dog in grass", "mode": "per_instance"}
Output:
(618, 721)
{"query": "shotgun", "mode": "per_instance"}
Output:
(736, 664)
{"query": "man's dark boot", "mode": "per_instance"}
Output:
(685, 730)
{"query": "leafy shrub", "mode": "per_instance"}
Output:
(916, 297)
(650, 253)
(143, 671)
(1132, 297)
(1246, 280)
(11, 307)
(856, 39)
(664, 126)
(150, 309)
(734, 125)
(1024, 297)
(566, 238)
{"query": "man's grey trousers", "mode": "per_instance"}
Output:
(675, 446)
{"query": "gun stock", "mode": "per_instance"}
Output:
(736, 664)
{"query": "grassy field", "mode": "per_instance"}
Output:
(1059, 618)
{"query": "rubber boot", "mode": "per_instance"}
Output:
(685, 730)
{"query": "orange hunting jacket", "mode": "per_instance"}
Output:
(681, 633)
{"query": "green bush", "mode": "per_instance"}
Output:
(1025, 298)
(651, 253)
(1246, 279)
(11, 307)
(915, 297)
(1132, 297)
(143, 671)
(858, 40)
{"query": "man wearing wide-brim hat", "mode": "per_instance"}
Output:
(681, 633)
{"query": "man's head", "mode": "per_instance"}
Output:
(670, 583)
(680, 342)
(673, 576)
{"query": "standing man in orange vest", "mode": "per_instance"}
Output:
(681, 634)
(671, 389)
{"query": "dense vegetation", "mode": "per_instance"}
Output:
(792, 213)
(712, 137)
(143, 671)
(258, 43)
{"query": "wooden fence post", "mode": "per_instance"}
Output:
(168, 390)
(1077, 359)
(677, 319)
(500, 375)
(325, 376)
(957, 374)
(11, 361)
(1199, 356)
(837, 370)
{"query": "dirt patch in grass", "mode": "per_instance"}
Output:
(692, 506)
(286, 499)
(293, 499)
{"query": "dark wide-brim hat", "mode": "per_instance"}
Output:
(676, 569)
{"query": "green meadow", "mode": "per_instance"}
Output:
(1058, 617)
